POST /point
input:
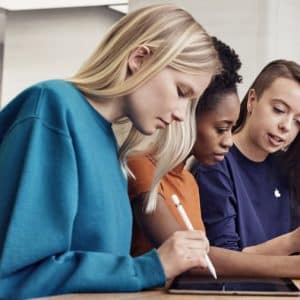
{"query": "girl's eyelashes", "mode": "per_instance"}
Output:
(297, 123)
(180, 92)
(221, 130)
(282, 111)
(278, 110)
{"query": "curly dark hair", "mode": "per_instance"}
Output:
(223, 83)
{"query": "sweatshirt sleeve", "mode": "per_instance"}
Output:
(218, 205)
(38, 205)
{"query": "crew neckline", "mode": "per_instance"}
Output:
(246, 159)
(98, 117)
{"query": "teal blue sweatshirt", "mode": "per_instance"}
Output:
(65, 217)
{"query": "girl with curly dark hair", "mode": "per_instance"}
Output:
(216, 113)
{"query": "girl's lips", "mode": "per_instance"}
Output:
(162, 124)
(274, 140)
(219, 156)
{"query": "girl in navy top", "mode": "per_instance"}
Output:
(65, 217)
(251, 197)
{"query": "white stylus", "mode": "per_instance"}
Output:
(189, 226)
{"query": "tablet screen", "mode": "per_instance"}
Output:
(194, 284)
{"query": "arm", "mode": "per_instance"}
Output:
(218, 205)
(158, 225)
(219, 208)
(230, 263)
(285, 244)
(39, 198)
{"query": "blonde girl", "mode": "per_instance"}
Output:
(65, 218)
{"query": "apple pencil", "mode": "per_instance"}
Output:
(189, 226)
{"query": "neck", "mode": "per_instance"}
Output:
(246, 145)
(110, 109)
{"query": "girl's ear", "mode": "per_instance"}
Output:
(137, 57)
(252, 98)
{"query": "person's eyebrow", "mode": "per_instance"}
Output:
(281, 101)
(188, 88)
(227, 122)
(189, 91)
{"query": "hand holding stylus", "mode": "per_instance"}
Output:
(189, 226)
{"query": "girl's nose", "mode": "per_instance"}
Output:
(286, 124)
(179, 113)
(227, 142)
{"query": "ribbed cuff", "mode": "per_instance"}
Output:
(149, 270)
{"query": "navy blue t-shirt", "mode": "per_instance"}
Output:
(243, 202)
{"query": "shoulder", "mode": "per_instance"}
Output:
(142, 167)
(221, 167)
(47, 101)
(223, 174)
(57, 87)
(187, 176)
(56, 94)
(45, 95)
(141, 163)
(225, 166)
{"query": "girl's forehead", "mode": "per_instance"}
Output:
(285, 91)
(227, 109)
(283, 85)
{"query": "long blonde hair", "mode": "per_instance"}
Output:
(176, 40)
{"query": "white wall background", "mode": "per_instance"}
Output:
(1, 65)
(47, 44)
(2, 26)
(259, 30)
(52, 43)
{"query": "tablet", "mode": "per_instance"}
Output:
(187, 284)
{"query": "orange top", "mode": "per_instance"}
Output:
(178, 181)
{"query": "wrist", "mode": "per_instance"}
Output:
(292, 242)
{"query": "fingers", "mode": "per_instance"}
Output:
(182, 251)
(195, 258)
(191, 234)
(193, 238)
